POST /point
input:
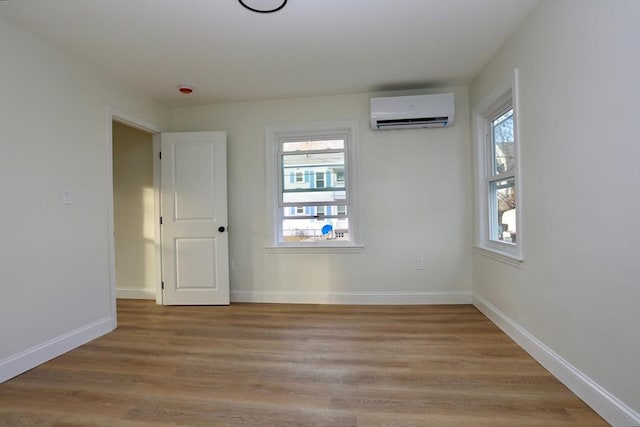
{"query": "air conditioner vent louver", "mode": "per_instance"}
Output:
(408, 112)
(422, 121)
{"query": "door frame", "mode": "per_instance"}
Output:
(114, 115)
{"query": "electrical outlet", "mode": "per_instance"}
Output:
(419, 263)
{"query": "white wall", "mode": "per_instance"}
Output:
(578, 290)
(54, 259)
(415, 202)
(134, 215)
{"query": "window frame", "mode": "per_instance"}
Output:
(501, 99)
(277, 134)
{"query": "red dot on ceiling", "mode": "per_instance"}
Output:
(185, 89)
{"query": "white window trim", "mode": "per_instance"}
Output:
(509, 253)
(273, 134)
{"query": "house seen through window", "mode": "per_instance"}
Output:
(312, 207)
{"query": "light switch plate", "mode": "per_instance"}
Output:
(66, 196)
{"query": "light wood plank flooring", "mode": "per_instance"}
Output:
(294, 365)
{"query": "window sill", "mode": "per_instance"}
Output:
(504, 258)
(331, 249)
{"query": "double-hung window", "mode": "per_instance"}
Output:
(498, 189)
(501, 177)
(311, 185)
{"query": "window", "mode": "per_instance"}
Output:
(498, 190)
(311, 185)
(501, 178)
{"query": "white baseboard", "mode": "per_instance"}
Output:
(603, 402)
(30, 358)
(131, 293)
(382, 298)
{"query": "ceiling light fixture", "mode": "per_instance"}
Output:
(186, 89)
(263, 6)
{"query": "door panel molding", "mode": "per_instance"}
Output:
(195, 266)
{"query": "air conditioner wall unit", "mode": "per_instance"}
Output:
(415, 111)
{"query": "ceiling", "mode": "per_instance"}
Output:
(310, 47)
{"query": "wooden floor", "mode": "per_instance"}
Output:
(294, 365)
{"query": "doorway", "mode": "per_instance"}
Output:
(115, 118)
(202, 260)
(134, 212)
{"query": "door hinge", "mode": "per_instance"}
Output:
(160, 220)
(160, 155)
(162, 284)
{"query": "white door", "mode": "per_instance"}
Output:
(193, 209)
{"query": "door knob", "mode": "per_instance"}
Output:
(221, 229)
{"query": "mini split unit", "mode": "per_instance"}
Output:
(410, 112)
